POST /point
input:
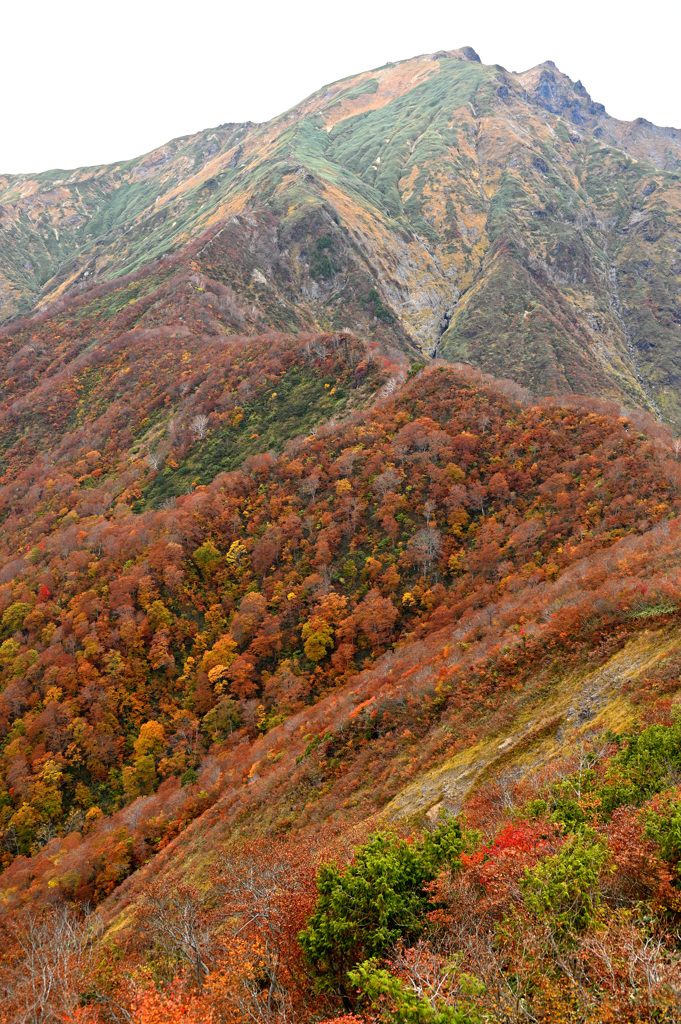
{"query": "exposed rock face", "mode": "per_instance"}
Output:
(481, 213)
(559, 95)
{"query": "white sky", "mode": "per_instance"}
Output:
(93, 81)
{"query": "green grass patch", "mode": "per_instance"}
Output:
(301, 400)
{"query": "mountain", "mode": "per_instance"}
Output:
(339, 522)
(504, 220)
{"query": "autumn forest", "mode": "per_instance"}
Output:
(339, 679)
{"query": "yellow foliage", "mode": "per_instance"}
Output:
(236, 552)
(220, 656)
(318, 638)
(455, 472)
(151, 739)
(92, 817)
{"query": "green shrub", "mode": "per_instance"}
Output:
(189, 778)
(663, 826)
(645, 765)
(221, 720)
(568, 804)
(380, 309)
(379, 986)
(381, 897)
(321, 262)
(302, 401)
(206, 557)
(13, 618)
(563, 890)
(321, 265)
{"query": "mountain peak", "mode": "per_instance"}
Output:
(462, 53)
(450, 175)
(467, 53)
(548, 86)
(266, 537)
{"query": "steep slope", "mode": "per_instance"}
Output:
(276, 565)
(505, 219)
(401, 586)
(166, 371)
(262, 592)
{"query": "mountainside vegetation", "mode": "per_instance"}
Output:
(340, 566)
(500, 219)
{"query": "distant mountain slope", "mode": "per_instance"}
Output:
(500, 219)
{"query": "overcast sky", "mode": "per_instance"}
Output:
(86, 82)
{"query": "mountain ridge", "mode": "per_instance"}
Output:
(337, 508)
(437, 178)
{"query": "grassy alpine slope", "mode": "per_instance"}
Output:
(500, 219)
